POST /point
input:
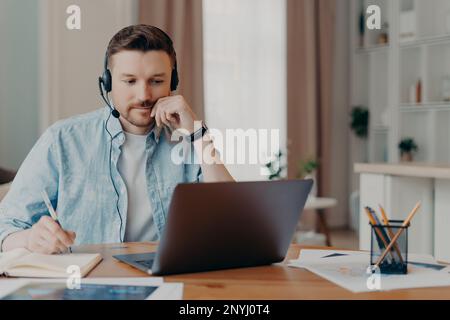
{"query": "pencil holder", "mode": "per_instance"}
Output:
(396, 260)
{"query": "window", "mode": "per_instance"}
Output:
(245, 74)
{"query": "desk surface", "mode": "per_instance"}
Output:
(277, 281)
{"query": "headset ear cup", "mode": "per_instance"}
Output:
(106, 80)
(174, 80)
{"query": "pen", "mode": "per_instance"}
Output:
(51, 210)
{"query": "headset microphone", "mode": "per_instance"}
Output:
(114, 111)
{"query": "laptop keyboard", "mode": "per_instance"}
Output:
(146, 263)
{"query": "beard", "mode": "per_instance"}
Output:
(139, 114)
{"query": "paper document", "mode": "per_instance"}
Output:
(351, 270)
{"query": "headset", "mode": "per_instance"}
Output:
(105, 85)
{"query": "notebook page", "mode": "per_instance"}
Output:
(7, 258)
(41, 265)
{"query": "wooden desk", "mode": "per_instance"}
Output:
(267, 282)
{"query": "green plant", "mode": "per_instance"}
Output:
(275, 168)
(306, 167)
(360, 121)
(407, 145)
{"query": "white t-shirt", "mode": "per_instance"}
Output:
(133, 158)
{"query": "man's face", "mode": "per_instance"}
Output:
(139, 79)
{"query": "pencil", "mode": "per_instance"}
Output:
(49, 205)
(391, 234)
(373, 222)
(51, 210)
(399, 232)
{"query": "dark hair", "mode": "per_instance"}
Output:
(144, 38)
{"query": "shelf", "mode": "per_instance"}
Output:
(385, 77)
(435, 40)
(423, 107)
(375, 48)
(379, 128)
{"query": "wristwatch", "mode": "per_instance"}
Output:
(199, 133)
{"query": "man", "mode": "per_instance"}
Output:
(110, 178)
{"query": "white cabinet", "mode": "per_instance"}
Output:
(398, 187)
(442, 219)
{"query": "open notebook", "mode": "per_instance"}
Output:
(23, 263)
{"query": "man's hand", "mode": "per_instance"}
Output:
(48, 237)
(174, 112)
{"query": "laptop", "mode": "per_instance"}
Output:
(223, 225)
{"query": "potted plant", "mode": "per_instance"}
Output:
(307, 170)
(359, 124)
(360, 121)
(274, 168)
(407, 146)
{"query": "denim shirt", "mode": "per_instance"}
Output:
(71, 162)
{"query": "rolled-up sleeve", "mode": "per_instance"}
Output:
(23, 204)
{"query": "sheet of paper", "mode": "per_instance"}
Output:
(169, 291)
(350, 270)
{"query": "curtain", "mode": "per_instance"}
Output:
(310, 76)
(182, 21)
(310, 44)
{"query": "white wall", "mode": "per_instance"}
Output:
(72, 60)
(19, 91)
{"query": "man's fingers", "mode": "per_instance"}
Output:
(53, 243)
(158, 117)
(64, 238)
(47, 244)
(164, 119)
(50, 224)
(155, 108)
(72, 235)
(152, 114)
(172, 119)
(41, 246)
(52, 230)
